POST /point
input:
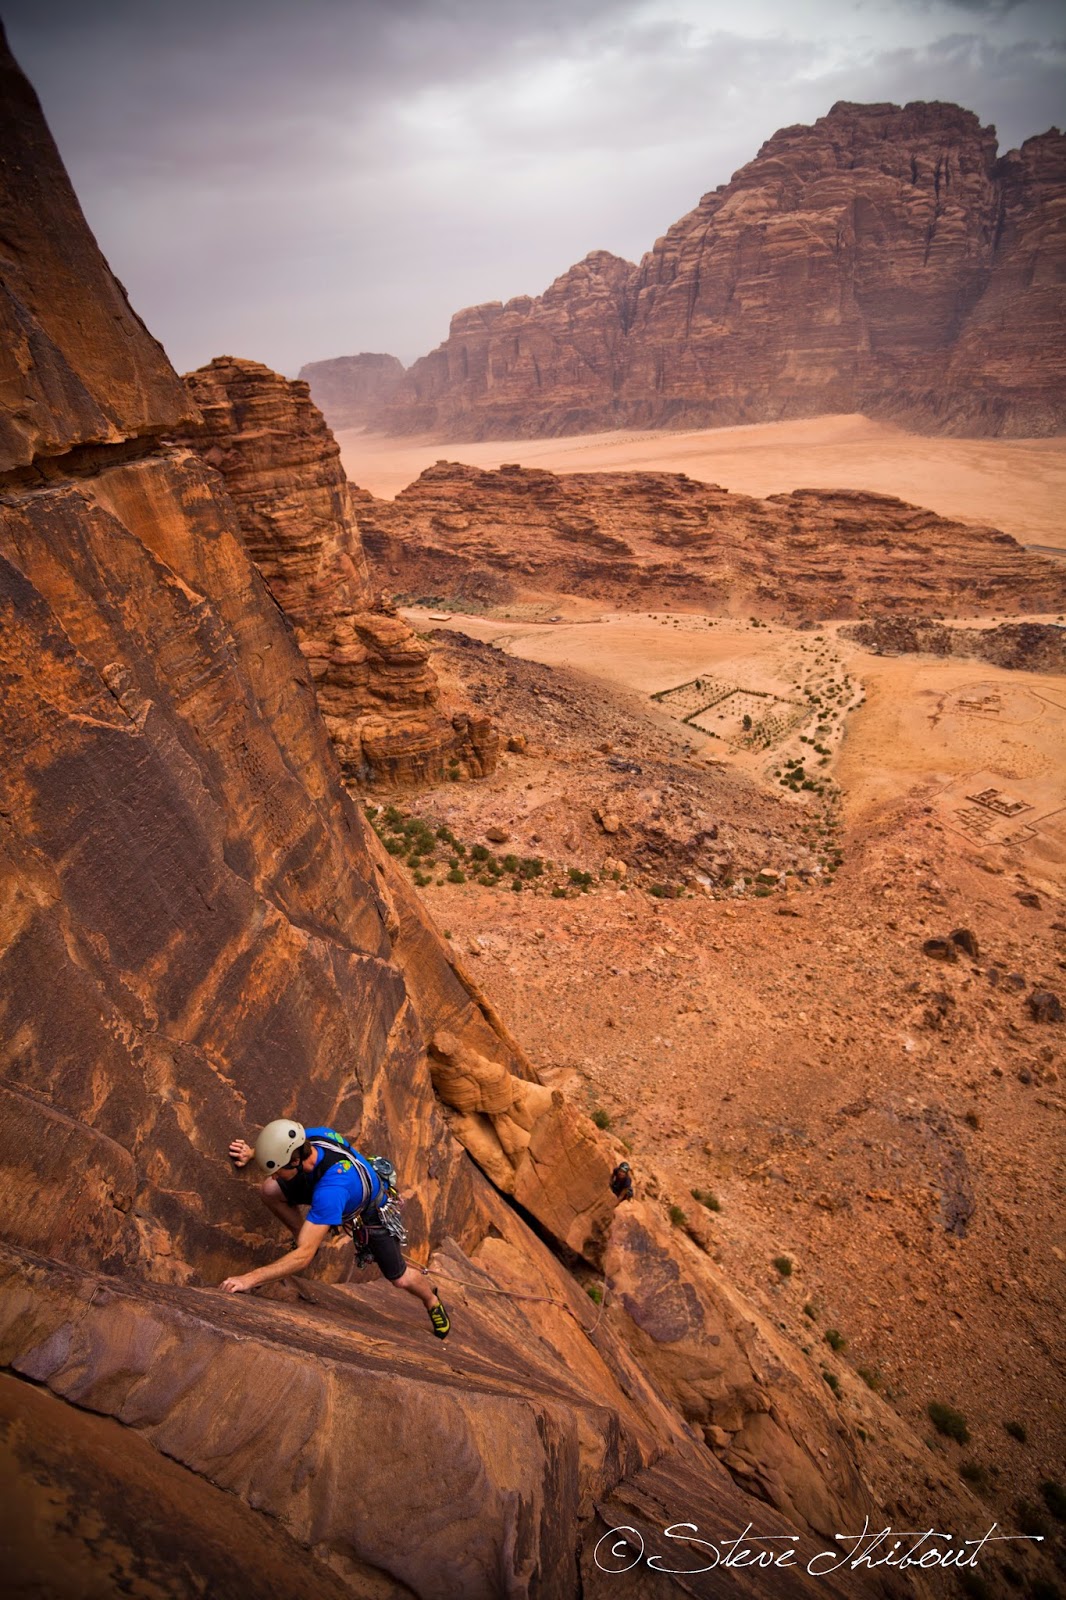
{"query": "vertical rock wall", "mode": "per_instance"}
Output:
(376, 688)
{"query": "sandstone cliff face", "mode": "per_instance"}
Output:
(197, 930)
(375, 686)
(882, 260)
(350, 390)
(658, 538)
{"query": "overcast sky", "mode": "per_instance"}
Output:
(296, 179)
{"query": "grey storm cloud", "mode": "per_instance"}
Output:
(290, 181)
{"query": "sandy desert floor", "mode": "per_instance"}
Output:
(1018, 485)
(889, 1124)
(949, 730)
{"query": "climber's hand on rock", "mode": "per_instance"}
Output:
(234, 1285)
(240, 1153)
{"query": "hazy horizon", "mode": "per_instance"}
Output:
(292, 183)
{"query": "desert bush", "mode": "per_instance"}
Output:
(948, 1421)
(834, 1339)
(677, 1217)
(706, 1198)
(601, 1118)
(1054, 1498)
(1017, 1431)
(783, 1265)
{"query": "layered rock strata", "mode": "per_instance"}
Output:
(375, 685)
(198, 930)
(657, 539)
(883, 260)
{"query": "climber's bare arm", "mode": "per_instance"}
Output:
(304, 1252)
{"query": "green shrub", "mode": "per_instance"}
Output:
(480, 853)
(783, 1265)
(595, 1293)
(872, 1377)
(1031, 1520)
(1017, 1431)
(809, 1311)
(835, 1340)
(510, 863)
(1054, 1498)
(601, 1118)
(517, 885)
(558, 893)
(395, 847)
(706, 1198)
(974, 1474)
(948, 1421)
(832, 1380)
(677, 1217)
(457, 875)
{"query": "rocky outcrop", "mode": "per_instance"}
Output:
(77, 366)
(350, 390)
(375, 685)
(1022, 646)
(883, 260)
(197, 929)
(658, 538)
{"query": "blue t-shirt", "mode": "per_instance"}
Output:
(344, 1187)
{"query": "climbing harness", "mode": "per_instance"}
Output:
(385, 1214)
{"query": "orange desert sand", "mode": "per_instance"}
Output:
(1018, 485)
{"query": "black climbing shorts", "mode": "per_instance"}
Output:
(388, 1257)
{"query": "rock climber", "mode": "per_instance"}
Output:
(317, 1167)
(622, 1181)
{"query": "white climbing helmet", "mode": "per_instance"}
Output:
(276, 1143)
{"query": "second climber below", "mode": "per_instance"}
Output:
(318, 1168)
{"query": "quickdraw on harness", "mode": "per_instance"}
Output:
(379, 1179)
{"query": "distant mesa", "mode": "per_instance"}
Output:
(649, 539)
(350, 390)
(883, 261)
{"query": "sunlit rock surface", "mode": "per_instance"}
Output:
(375, 686)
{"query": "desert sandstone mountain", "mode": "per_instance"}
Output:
(352, 389)
(199, 930)
(659, 538)
(376, 689)
(884, 261)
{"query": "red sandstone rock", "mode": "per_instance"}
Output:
(77, 365)
(375, 686)
(196, 930)
(659, 538)
(882, 260)
(351, 389)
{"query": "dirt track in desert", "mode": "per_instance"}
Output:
(1018, 485)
